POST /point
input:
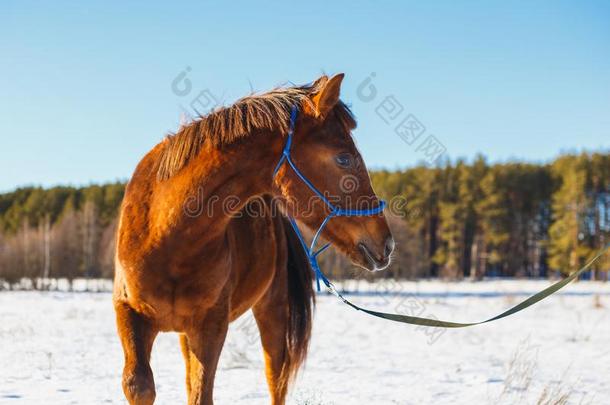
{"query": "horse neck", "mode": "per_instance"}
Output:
(218, 184)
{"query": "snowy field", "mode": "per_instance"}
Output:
(61, 348)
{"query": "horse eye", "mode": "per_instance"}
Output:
(344, 160)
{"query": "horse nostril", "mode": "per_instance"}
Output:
(389, 246)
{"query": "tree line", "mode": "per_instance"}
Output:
(61, 232)
(453, 221)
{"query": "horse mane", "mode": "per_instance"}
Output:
(225, 125)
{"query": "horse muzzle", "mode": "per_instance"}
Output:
(375, 257)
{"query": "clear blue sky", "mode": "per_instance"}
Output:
(86, 89)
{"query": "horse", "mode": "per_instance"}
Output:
(193, 271)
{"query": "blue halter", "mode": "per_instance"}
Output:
(311, 251)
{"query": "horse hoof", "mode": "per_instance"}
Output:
(139, 389)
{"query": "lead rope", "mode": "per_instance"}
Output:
(312, 254)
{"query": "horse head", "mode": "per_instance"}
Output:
(324, 151)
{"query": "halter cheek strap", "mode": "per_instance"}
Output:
(335, 211)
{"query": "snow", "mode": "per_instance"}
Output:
(61, 348)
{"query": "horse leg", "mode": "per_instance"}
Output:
(186, 353)
(272, 320)
(283, 315)
(204, 346)
(137, 336)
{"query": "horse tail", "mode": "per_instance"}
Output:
(301, 301)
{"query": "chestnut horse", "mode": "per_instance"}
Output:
(194, 272)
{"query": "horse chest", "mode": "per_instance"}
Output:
(179, 289)
(172, 301)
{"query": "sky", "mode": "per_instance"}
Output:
(88, 89)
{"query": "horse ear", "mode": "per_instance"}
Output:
(327, 95)
(319, 82)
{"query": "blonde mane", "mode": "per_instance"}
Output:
(226, 125)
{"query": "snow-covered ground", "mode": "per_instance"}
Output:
(61, 348)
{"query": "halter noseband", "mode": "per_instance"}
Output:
(311, 252)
